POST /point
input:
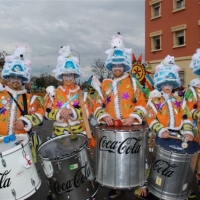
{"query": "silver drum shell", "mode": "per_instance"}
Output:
(172, 173)
(120, 156)
(70, 176)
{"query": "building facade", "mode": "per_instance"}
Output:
(172, 27)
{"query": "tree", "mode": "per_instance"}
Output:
(45, 80)
(84, 85)
(51, 80)
(99, 69)
(33, 79)
(40, 82)
(3, 54)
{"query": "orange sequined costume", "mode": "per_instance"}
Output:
(122, 99)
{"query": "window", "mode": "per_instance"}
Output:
(156, 41)
(179, 36)
(182, 77)
(178, 5)
(155, 8)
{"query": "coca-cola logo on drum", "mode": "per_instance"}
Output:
(4, 180)
(130, 145)
(79, 178)
(164, 168)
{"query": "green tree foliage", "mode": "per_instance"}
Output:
(45, 80)
(84, 86)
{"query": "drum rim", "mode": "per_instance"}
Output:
(18, 147)
(176, 152)
(121, 131)
(69, 155)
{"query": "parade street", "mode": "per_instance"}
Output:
(46, 130)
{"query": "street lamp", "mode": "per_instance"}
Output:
(42, 69)
(79, 57)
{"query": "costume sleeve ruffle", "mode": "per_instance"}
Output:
(187, 128)
(139, 113)
(52, 114)
(157, 127)
(100, 113)
(28, 123)
(196, 114)
(36, 114)
(77, 113)
(32, 120)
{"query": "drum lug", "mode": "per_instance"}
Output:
(58, 163)
(33, 183)
(48, 168)
(78, 158)
(13, 193)
(3, 161)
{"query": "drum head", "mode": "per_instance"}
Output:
(7, 148)
(62, 146)
(174, 145)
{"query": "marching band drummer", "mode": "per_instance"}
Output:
(62, 105)
(19, 111)
(123, 100)
(192, 100)
(165, 113)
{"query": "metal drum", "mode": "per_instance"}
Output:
(172, 170)
(120, 156)
(68, 167)
(19, 178)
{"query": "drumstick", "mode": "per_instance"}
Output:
(85, 119)
(179, 138)
(184, 143)
(72, 135)
(198, 131)
(174, 137)
(92, 141)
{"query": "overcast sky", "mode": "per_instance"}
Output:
(86, 26)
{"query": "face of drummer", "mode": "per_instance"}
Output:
(68, 79)
(118, 70)
(15, 82)
(167, 88)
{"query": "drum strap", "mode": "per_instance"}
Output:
(34, 138)
(25, 104)
(25, 111)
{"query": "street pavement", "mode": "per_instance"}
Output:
(45, 131)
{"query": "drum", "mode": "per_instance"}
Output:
(172, 170)
(120, 156)
(18, 175)
(68, 166)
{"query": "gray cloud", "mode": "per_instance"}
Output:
(87, 26)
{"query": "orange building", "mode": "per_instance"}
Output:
(172, 27)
